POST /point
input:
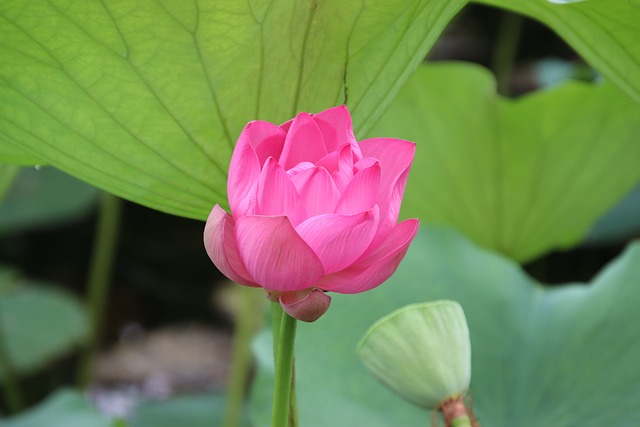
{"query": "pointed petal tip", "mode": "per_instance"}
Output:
(400, 149)
(244, 173)
(304, 142)
(214, 220)
(385, 140)
(266, 139)
(413, 224)
(220, 245)
(338, 109)
(304, 305)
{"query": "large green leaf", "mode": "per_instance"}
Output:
(39, 322)
(619, 224)
(65, 408)
(146, 99)
(13, 154)
(605, 33)
(518, 176)
(43, 197)
(560, 357)
(198, 410)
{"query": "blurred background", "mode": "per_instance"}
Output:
(169, 314)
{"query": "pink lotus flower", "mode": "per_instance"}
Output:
(312, 210)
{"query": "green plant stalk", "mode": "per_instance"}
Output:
(505, 50)
(284, 372)
(246, 326)
(11, 389)
(99, 278)
(293, 404)
(276, 319)
(463, 421)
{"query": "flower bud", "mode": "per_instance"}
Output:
(421, 351)
(312, 210)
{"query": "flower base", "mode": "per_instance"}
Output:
(455, 414)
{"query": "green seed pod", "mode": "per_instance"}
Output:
(421, 351)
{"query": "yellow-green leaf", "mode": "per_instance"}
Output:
(518, 176)
(146, 99)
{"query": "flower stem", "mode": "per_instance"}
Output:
(505, 50)
(276, 319)
(12, 393)
(246, 326)
(284, 371)
(99, 278)
(463, 421)
(293, 404)
(455, 413)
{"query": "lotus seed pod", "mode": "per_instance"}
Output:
(421, 351)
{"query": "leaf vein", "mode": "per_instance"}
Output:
(214, 97)
(44, 110)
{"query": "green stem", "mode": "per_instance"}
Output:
(505, 50)
(463, 421)
(246, 326)
(293, 404)
(276, 319)
(284, 372)
(455, 413)
(11, 389)
(99, 278)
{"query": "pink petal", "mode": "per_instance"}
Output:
(362, 192)
(220, 244)
(286, 125)
(377, 267)
(341, 159)
(365, 162)
(395, 157)
(267, 139)
(330, 161)
(275, 255)
(299, 168)
(337, 129)
(277, 194)
(306, 305)
(304, 142)
(319, 195)
(339, 240)
(300, 174)
(344, 173)
(244, 173)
